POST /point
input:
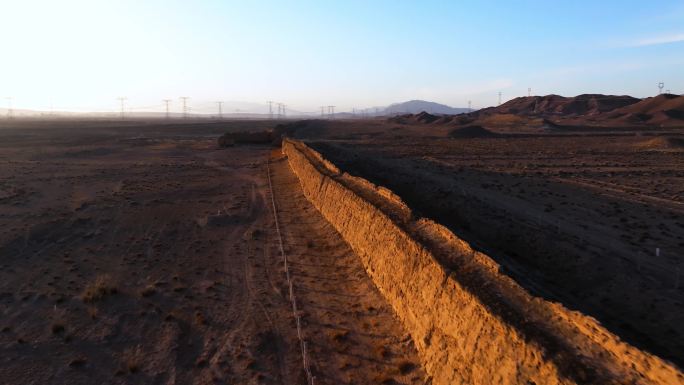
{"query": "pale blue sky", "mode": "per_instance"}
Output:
(83, 54)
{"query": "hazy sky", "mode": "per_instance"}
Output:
(83, 54)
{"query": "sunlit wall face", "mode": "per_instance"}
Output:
(81, 55)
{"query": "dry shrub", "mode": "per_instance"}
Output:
(57, 328)
(406, 367)
(92, 312)
(132, 359)
(338, 335)
(382, 352)
(77, 362)
(98, 289)
(199, 319)
(148, 291)
(59, 321)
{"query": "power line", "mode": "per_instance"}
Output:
(122, 101)
(10, 110)
(185, 106)
(270, 109)
(281, 110)
(220, 109)
(166, 102)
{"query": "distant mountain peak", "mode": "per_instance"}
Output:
(417, 106)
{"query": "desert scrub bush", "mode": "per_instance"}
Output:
(59, 321)
(200, 320)
(132, 359)
(148, 291)
(406, 367)
(101, 287)
(382, 351)
(338, 335)
(57, 328)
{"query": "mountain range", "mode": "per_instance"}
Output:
(417, 106)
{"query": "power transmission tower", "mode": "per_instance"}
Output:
(284, 106)
(166, 102)
(322, 111)
(10, 110)
(280, 106)
(353, 112)
(470, 103)
(270, 109)
(331, 111)
(122, 100)
(660, 87)
(499, 98)
(220, 109)
(376, 111)
(185, 106)
(529, 91)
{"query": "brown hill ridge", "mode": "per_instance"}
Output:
(585, 104)
(661, 109)
(581, 110)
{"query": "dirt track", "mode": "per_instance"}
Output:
(353, 333)
(152, 258)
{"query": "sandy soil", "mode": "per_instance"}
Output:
(575, 218)
(145, 254)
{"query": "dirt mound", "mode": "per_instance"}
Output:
(471, 132)
(662, 143)
(425, 117)
(462, 119)
(420, 118)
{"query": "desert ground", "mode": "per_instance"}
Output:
(143, 253)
